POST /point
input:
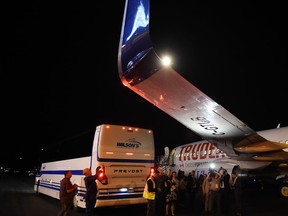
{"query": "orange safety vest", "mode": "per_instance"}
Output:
(146, 193)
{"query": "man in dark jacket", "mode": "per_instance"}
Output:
(91, 190)
(161, 182)
(236, 187)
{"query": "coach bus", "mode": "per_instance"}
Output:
(126, 155)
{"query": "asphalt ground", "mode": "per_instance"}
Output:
(17, 197)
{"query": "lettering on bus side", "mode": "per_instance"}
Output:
(130, 143)
(200, 151)
(127, 171)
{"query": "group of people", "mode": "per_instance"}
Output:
(68, 191)
(219, 188)
(162, 191)
(210, 193)
(165, 191)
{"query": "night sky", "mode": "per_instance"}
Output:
(61, 79)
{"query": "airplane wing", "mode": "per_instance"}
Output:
(141, 70)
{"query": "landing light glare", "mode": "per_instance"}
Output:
(166, 61)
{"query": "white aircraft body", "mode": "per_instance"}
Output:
(202, 155)
(227, 141)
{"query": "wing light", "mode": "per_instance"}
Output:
(166, 61)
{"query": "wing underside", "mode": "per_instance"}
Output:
(141, 70)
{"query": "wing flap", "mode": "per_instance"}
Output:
(265, 146)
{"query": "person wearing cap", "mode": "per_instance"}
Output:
(91, 190)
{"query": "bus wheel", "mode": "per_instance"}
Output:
(284, 190)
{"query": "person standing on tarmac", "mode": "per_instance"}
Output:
(214, 193)
(91, 190)
(172, 197)
(161, 182)
(236, 187)
(205, 192)
(150, 193)
(67, 193)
